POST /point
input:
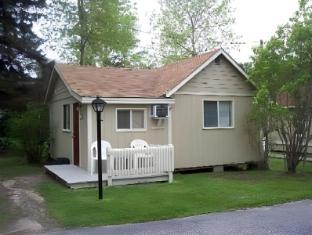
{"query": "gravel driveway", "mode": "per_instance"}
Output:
(289, 218)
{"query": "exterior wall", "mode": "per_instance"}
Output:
(61, 141)
(83, 137)
(218, 79)
(198, 147)
(155, 133)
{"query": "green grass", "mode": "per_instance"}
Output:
(188, 195)
(12, 165)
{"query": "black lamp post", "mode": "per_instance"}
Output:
(98, 107)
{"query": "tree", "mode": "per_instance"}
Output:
(19, 46)
(283, 74)
(31, 129)
(92, 31)
(23, 67)
(189, 27)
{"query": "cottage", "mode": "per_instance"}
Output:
(198, 105)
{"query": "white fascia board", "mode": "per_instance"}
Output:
(214, 94)
(73, 94)
(204, 65)
(193, 74)
(49, 86)
(236, 65)
(88, 100)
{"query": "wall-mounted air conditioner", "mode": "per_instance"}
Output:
(159, 111)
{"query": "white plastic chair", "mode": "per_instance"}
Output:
(142, 160)
(138, 143)
(94, 152)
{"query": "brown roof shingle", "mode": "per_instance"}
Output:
(123, 82)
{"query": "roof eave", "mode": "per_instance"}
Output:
(170, 92)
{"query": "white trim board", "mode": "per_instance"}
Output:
(131, 129)
(88, 100)
(204, 65)
(71, 92)
(218, 101)
(214, 94)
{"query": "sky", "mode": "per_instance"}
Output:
(255, 20)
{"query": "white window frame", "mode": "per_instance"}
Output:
(131, 129)
(218, 101)
(63, 113)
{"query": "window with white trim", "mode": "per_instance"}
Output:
(131, 119)
(218, 114)
(66, 117)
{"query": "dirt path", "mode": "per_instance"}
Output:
(27, 212)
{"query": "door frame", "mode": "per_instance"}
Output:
(76, 134)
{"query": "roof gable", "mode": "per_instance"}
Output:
(203, 66)
(218, 78)
(107, 82)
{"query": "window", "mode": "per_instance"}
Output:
(66, 117)
(130, 119)
(218, 114)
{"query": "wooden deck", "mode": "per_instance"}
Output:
(75, 177)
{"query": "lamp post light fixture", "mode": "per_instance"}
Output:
(98, 107)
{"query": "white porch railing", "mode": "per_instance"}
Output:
(143, 162)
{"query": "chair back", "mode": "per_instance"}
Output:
(104, 146)
(138, 143)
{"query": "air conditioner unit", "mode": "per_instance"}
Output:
(159, 111)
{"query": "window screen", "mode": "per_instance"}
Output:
(123, 119)
(210, 114)
(137, 119)
(66, 117)
(225, 113)
(218, 114)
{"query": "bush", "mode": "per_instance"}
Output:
(31, 130)
(4, 144)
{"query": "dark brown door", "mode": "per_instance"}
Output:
(76, 133)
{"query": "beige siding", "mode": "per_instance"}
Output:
(197, 147)
(61, 141)
(60, 91)
(156, 132)
(83, 137)
(222, 78)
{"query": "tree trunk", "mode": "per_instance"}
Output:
(82, 52)
(291, 164)
(266, 149)
(82, 22)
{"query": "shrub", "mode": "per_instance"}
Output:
(31, 130)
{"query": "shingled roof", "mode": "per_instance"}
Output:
(90, 81)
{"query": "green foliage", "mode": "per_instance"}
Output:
(92, 32)
(31, 130)
(13, 165)
(19, 45)
(188, 28)
(189, 194)
(282, 69)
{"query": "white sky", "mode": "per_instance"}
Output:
(255, 20)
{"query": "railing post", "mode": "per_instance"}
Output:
(171, 165)
(108, 166)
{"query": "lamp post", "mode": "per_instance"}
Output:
(98, 107)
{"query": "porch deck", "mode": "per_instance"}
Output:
(75, 177)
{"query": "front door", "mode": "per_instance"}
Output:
(76, 133)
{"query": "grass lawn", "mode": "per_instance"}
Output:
(12, 165)
(188, 195)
